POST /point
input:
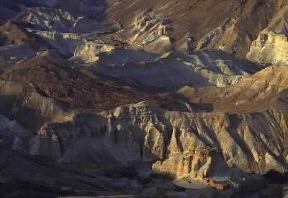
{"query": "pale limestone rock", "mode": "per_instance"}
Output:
(151, 32)
(65, 43)
(179, 144)
(271, 46)
(89, 51)
(58, 35)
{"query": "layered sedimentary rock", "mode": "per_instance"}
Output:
(51, 70)
(258, 92)
(272, 44)
(179, 144)
(172, 71)
(151, 32)
(269, 48)
(230, 25)
(98, 98)
(89, 51)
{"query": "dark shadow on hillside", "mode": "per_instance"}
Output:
(145, 71)
(274, 176)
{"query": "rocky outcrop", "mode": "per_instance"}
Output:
(111, 105)
(58, 35)
(271, 45)
(89, 51)
(44, 73)
(232, 26)
(46, 86)
(261, 91)
(217, 38)
(64, 43)
(172, 71)
(151, 32)
(269, 48)
(178, 144)
(45, 19)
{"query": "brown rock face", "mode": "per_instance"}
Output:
(46, 83)
(178, 144)
(271, 45)
(143, 98)
(265, 89)
(230, 25)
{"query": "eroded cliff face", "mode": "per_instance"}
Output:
(199, 145)
(256, 93)
(89, 51)
(272, 43)
(269, 48)
(102, 94)
(228, 25)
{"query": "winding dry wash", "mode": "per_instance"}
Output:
(146, 98)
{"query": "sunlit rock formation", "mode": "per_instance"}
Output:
(272, 43)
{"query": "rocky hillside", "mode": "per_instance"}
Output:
(228, 25)
(142, 98)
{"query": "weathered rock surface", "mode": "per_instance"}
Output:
(47, 19)
(179, 144)
(261, 91)
(272, 44)
(96, 99)
(172, 71)
(56, 20)
(151, 33)
(89, 52)
(229, 25)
